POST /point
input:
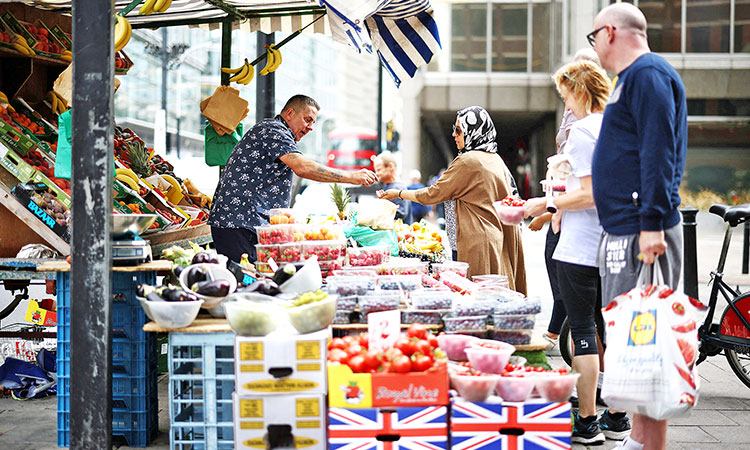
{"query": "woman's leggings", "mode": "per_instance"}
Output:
(580, 287)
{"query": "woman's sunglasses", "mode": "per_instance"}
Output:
(456, 130)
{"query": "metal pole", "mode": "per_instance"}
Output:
(91, 262)
(226, 49)
(265, 88)
(379, 121)
(690, 254)
(746, 248)
(164, 76)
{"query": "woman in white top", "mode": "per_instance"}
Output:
(585, 88)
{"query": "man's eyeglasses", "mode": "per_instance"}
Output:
(456, 130)
(591, 37)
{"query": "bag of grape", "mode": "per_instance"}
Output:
(652, 342)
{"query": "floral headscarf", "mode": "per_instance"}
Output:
(479, 131)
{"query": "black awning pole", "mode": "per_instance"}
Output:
(265, 87)
(91, 261)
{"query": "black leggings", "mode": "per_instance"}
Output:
(580, 288)
(558, 308)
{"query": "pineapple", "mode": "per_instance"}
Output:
(139, 159)
(340, 197)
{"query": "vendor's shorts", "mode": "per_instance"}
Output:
(619, 265)
(233, 242)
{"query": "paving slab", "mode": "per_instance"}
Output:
(704, 417)
(690, 434)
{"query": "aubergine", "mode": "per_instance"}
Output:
(284, 273)
(196, 274)
(178, 295)
(263, 286)
(142, 290)
(205, 257)
(154, 297)
(217, 288)
(177, 270)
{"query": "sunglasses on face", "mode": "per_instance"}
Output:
(591, 37)
(456, 130)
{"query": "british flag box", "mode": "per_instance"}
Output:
(405, 428)
(535, 424)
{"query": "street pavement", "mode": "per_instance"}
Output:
(720, 420)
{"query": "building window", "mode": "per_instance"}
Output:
(469, 38)
(707, 26)
(541, 41)
(664, 25)
(509, 37)
(742, 26)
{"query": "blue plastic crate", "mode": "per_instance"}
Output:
(128, 393)
(201, 383)
(128, 357)
(134, 436)
(122, 282)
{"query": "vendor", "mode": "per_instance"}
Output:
(258, 177)
(474, 180)
(386, 168)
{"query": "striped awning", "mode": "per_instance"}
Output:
(402, 32)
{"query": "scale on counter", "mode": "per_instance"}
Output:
(128, 248)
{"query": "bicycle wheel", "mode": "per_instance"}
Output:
(566, 344)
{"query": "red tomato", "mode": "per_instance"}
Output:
(357, 364)
(421, 364)
(338, 355)
(337, 343)
(363, 340)
(424, 347)
(402, 364)
(353, 350)
(417, 330)
(432, 340)
(373, 359)
(406, 346)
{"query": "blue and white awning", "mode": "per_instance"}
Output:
(403, 32)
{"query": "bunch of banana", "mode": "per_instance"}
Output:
(19, 43)
(273, 59)
(123, 30)
(242, 75)
(199, 198)
(67, 55)
(128, 177)
(4, 100)
(59, 104)
(152, 6)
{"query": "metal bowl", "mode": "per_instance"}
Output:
(136, 223)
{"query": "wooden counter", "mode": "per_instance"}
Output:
(60, 265)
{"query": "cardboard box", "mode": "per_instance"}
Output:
(408, 427)
(61, 195)
(497, 425)
(14, 164)
(24, 193)
(282, 421)
(39, 316)
(280, 364)
(14, 139)
(347, 389)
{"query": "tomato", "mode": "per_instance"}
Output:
(432, 340)
(678, 308)
(348, 339)
(363, 340)
(417, 330)
(421, 363)
(424, 347)
(354, 349)
(337, 343)
(357, 364)
(402, 364)
(406, 346)
(338, 355)
(373, 359)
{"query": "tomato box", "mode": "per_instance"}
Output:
(50, 131)
(64, 38)
(14, 139)
(272, 365)
(423, 427)
(347, 389)
(282, 421)
(501, 425)
(14, 164)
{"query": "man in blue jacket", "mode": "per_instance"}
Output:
(637, 169)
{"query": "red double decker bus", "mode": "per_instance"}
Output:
(352, 148)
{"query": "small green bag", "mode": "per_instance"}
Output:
(218, 148)
(62, 157)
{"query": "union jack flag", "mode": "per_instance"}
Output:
(510, 426)
(407, 428)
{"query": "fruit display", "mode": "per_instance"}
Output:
(473, 306)
(419, 240)
(491, 281)
(556, 387)
(454, 345)
(403, 266)
(457, 282)
(379, 301)
(458, 267)
(489, 356)
(275, 234)
(251, 314)
(515, 387)
(399, 282)
(312, 311)
(367, 256)
(169, 306)
(211, 282)
(431, 299)
(416, 350)
(50, 205)
(467, 323)
(152, 6)
(324, 250)
(429, 282)
(344, 317)
(290, 252)
(46, 42)
(519, 306)
(356, 271)
(419, 316)
(328, 267)
(473, 385)
(347, 303)
(323, 232)
(350, 285)
(510, 210)
(513, 322)
(514, 337)
(267, 252)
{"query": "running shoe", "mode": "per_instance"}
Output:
(589, 434)
(615, 429)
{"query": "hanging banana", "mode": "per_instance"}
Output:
(270, 60)
(123, 30)
(244, 75)
(147, 8)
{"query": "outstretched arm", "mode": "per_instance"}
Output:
(307, 168)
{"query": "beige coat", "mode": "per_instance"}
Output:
(475, 180)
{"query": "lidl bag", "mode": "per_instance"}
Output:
(652, 341)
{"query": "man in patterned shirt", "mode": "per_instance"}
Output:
(258, 177)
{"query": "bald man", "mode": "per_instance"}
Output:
(637, 169)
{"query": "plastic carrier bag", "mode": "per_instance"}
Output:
(218, 147)
(367, 237)
(652, 343)
(376, 213)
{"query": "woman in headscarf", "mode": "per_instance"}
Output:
(474, 180)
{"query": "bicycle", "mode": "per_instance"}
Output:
(732, 333)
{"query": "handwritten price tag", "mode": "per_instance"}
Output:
(383, 328)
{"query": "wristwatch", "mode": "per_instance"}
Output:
(399, 194)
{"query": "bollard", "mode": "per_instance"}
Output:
(689, 250)
(746, 248)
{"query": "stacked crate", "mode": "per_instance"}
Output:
(201, 382)
(134, 362)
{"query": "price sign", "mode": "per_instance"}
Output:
(383, 328)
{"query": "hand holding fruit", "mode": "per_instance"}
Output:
(390, 194)
(364, 177)
(534, 207)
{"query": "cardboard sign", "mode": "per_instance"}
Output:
(384, 328)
